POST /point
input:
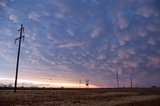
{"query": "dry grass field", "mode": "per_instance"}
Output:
(81, 97)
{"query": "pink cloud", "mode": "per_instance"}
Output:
(151, 28)
(70, 45)
(131, 51)
(142, 32)
(59, 15)
(120, 70)
(157, 14)
(101, 57)
(131, 64)
(70, 32)
(3, 3)
(123, 54)
(138, 1)
(144, 11)
(122, 22)
(124, 39)
(154, 61)
(113, 47)
(35, 16)
(121, 42)
(63, 8)
(115, 60)
(152, 41)
(13, 18)
(92, 65)
(96, 32)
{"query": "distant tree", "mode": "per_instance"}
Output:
(10, 85)
(3, 85)
(33, 86)
(153, 86)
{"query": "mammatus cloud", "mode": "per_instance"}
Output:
(123, 55)
(154, 61)
(35, 16)
(122, 22)
(130, 64)
(96, 32)
(152, 41)
(70, 45)
(73, 40)
(3, 3)
(142, 32)
(70, 32)
(10, 12)
(13, 18)
(145, 11)
(101, 57)
(60, 15)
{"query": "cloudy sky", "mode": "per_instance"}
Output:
(71, 40)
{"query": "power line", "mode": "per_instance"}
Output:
(117, 75)
(21, 30)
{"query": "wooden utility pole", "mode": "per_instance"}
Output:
(21, 30)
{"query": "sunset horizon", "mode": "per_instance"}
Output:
(79, 52)
(42, 84)
(108, 43)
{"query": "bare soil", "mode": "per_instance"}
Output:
(81, 97)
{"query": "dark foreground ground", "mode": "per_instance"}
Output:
(81, 97)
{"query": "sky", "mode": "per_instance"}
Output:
(71, 40)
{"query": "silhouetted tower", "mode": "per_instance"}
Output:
(117, 77)
(131, 79)
(124, 85)
(87, 82)
(136, 85)
(131, 82)
(21, 30)
(80, 83)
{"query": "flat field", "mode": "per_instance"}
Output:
(81, 97)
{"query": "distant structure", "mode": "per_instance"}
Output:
(136, 84)
(131, 79)
(124, 85)
(87, 82)
(117, 77)
(80, 83)
(131, 82)
(21, 30)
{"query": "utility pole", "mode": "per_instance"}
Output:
(131, 80)
(117, 79)
(79, 83)
(136, 85)
(87, 82)
(21, 30)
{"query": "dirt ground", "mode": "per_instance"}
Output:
(81, 97)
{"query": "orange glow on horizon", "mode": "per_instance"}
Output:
(50, 84)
